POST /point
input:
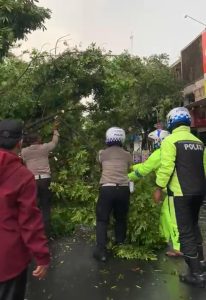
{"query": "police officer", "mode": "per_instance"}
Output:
(168, 224)
(114, 191)
(182, 172)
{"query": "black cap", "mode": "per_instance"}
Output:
(11, 129)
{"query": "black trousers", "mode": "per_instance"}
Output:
(14, 289)
(187, 210)
(44, 201)
(112, 199)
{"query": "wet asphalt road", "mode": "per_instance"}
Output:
(75, 275)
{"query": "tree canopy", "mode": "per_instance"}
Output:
(123, 90)
(17, 19)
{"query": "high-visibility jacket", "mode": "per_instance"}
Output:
(168, 224)
(149, 165)
(182, 168)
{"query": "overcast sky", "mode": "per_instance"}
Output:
(158, 26)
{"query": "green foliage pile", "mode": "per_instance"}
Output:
(76, 194)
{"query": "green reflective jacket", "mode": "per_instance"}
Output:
(148, 166)
(183, 163)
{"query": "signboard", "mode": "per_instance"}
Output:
(204, 51)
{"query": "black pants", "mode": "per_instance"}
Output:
(14, 289)
(44, 201)
(187, 210)
(112, 199)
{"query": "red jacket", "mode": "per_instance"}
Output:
(21, 227)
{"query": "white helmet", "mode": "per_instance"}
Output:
(157, 136)
(178, 115)
(115, 135)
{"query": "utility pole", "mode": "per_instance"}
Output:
(132, 42)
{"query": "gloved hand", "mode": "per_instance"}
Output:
(132, 176)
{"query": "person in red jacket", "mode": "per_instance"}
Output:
(21, 227)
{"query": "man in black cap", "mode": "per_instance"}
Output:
(21, 226)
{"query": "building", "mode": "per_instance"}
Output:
(191, 68)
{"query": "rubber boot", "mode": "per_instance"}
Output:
(195, 276)
(100, 254)
(201, 258)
